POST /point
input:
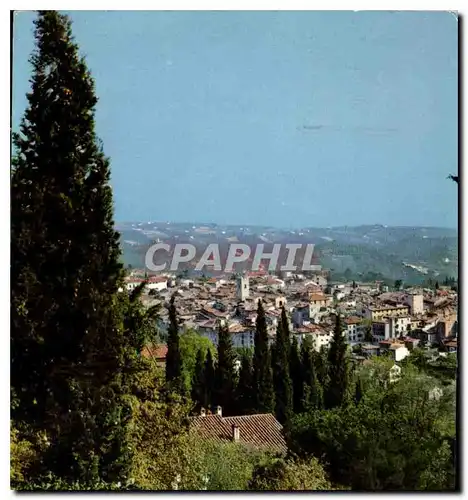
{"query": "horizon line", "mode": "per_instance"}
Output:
(283, 228)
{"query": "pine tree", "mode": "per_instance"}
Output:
(336, 393)
(295, 370)
(225, 374)
(244, 390)
(262, 373)
(282, 379)
(173, 356)
(67, 348)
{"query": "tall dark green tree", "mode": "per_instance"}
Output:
(262, 373)
(208, 394)
(225, 373)
(312, 397)
(281, 375)
(68, 351)
(321, 364)
(198, 392)
(244, 389)
(268, 398)
(285, 326)
(338, 369)
(295, 370)
(173, 357)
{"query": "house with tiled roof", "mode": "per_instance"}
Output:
(260, 432)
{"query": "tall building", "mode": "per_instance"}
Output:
(242, 287)
(416, 303)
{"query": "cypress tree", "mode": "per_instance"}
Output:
(225, 374)
(67, 348)
(208, 394)
(312, 396)
(337, 368)
(198, 392)
(262, 373)
(268, 395)
(282, 379)
(173, 356)
(321, 363)
(244, 390)
(285, 326)
(295, 371)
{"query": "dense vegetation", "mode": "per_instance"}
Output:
(90, 413)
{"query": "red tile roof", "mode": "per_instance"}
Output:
(353, 320)
(318, 296)
(214, 312)
(260, 431)
(157, 352)
(151, 279)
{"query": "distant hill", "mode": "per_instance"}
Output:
(409, 253)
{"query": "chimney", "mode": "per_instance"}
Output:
(202, 412)
(219, 411)
(235, 433)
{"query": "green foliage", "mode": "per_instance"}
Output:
(225, 372)
(198, 382)
(338, 369)
(268, 394)
(282, 379)
(389, 439)
(291, 475)
(444, 368)
(159, 436)
(22, 456)
(312, 389)
(174, 376)
(68, 351)
(244, 389)
(190, 344)
(139, 323)
(227, 466)
(295, 370)
(262, 372)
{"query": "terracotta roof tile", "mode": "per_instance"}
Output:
(353, 320)
(317, 296)
(157, 352)
(260, 431)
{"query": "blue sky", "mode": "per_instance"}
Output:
(280, 118)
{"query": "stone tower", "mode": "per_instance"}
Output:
(416, 303)
(242, 287)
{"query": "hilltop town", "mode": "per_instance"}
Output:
(376, 319)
